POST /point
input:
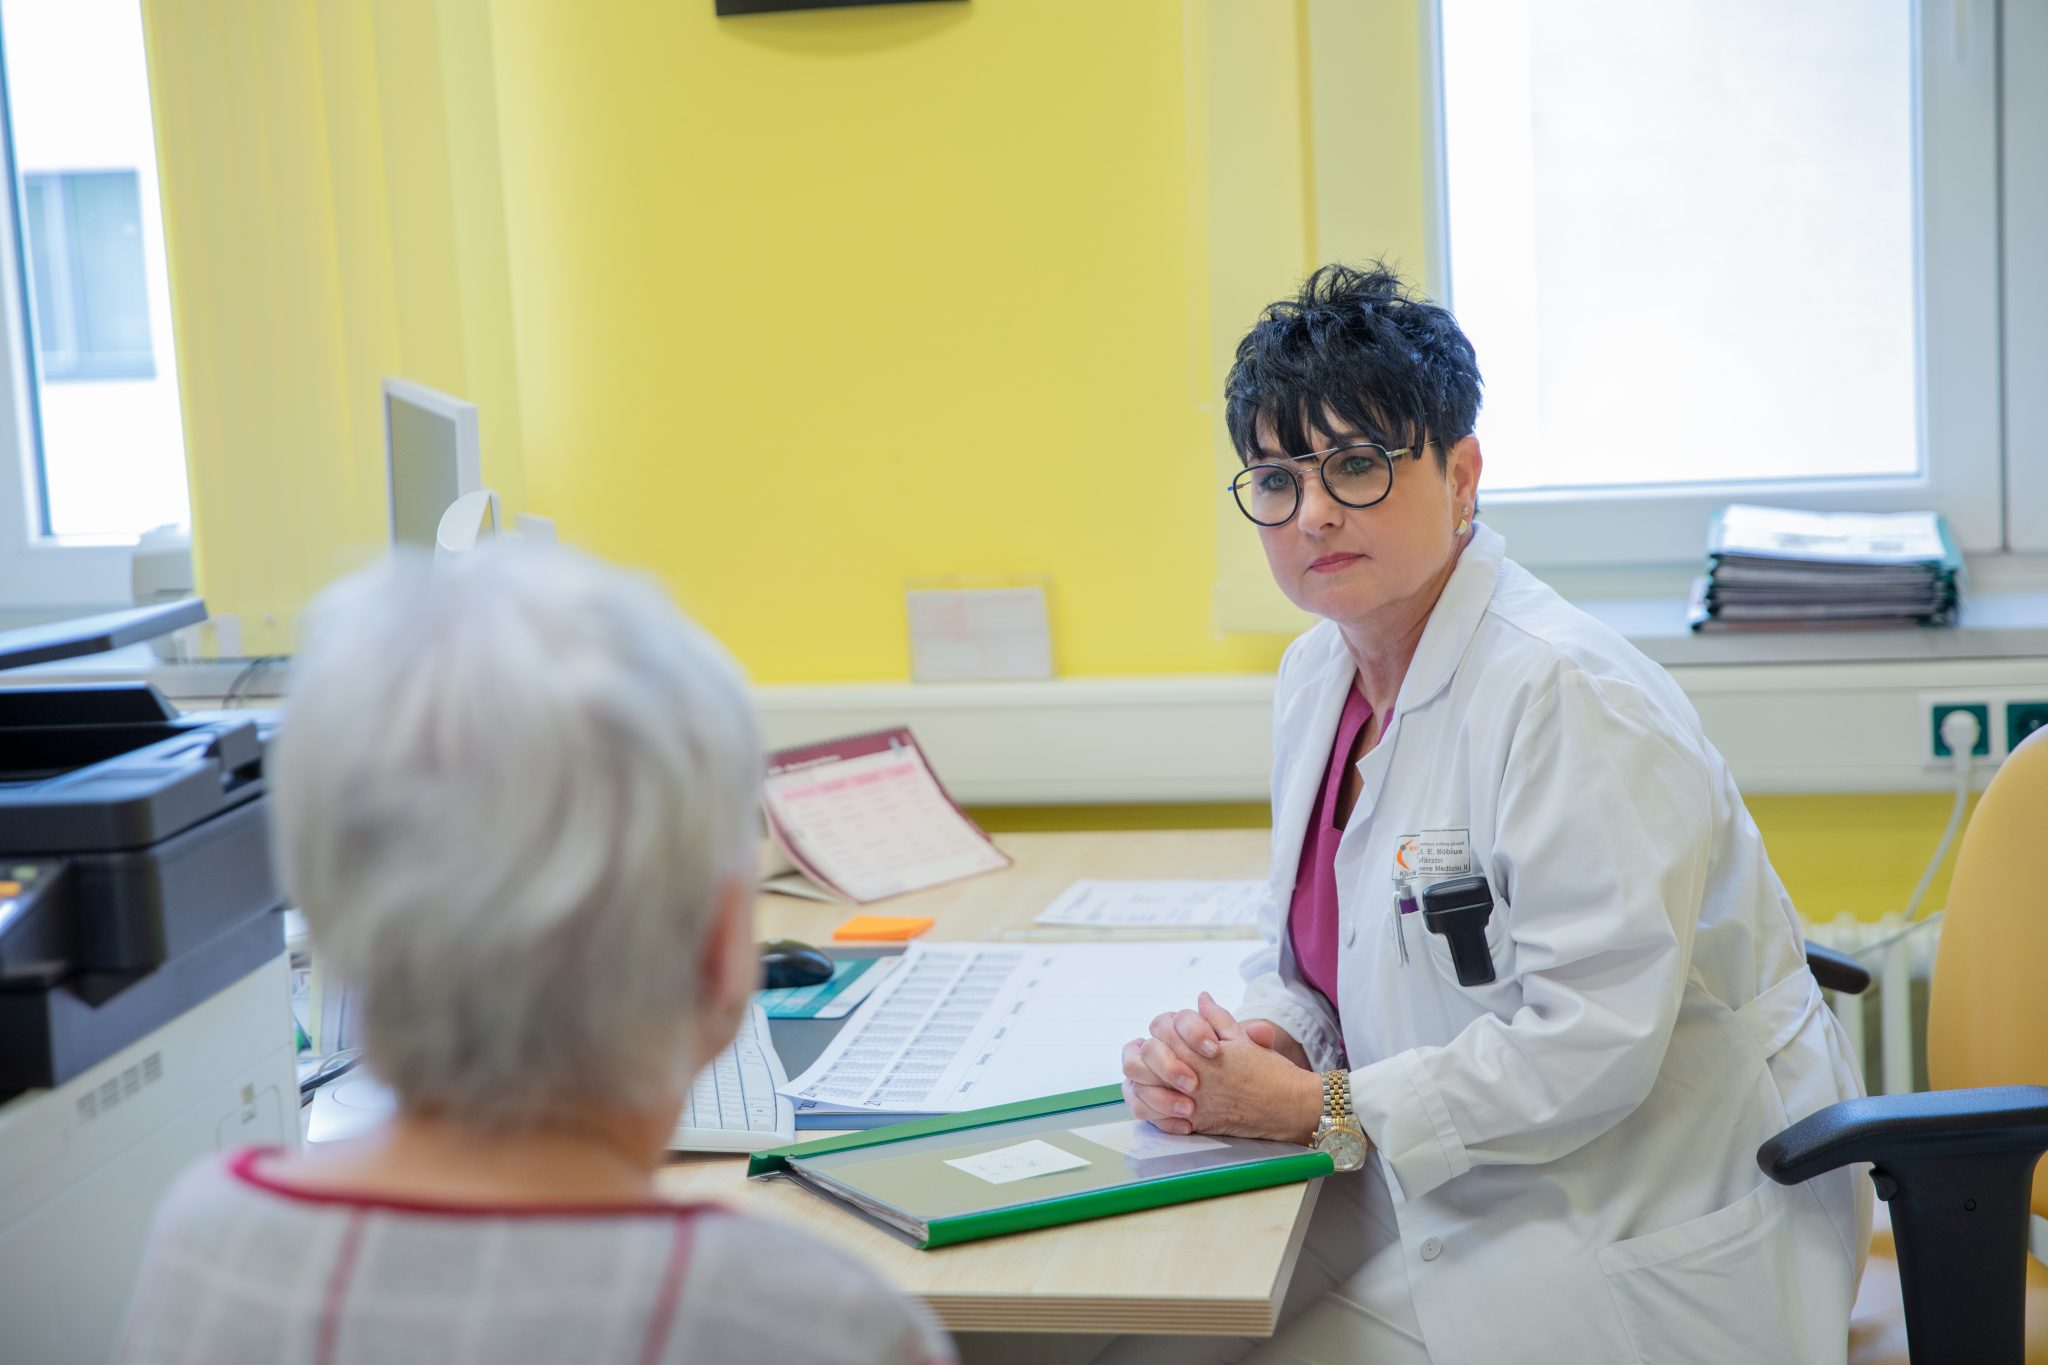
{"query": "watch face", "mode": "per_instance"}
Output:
(1346, 1148)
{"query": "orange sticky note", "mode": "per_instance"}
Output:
(894, 929)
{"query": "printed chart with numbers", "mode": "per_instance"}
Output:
(966, 1025)
(866, 818)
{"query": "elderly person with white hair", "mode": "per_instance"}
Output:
(514, 798)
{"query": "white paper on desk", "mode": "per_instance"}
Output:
(964, 1025)
(1021, 1162)
(1141, 1141)
(1104, 904)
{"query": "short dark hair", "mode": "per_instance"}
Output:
(1358, 345)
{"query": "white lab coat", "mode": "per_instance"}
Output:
(1571, 1149)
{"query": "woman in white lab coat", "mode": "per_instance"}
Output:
(1558, 1120)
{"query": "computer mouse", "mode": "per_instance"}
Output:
(785, 962)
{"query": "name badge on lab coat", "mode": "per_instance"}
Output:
(1433, 853)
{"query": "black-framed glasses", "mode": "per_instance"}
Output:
(1356, 474)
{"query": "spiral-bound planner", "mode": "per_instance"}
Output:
(865, 818)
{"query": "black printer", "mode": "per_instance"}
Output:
(135, 870)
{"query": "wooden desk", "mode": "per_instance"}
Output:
(1215, 1267)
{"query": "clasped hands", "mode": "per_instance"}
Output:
(1201, 1071)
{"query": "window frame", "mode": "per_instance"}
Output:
(1960, 305)
(2023, 110)
(40, 573)
(67, 318)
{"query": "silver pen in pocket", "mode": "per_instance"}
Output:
(1404, 902)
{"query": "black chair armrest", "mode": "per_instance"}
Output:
(1890, 1129)
(1957, 1167)
(1837, 971)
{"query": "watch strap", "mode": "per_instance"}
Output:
(1337, 1095)
(1336, 1106)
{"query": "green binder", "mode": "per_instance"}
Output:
(1032, 1164)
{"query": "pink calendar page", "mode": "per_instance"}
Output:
(866, 818)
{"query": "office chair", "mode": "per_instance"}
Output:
(1957, 1165)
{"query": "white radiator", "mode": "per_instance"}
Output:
(1898, 956)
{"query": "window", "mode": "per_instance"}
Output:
(91, 308)
(92, 438)
(1711, 250)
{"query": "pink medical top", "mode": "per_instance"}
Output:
(1312, 919)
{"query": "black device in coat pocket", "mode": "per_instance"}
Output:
(1458, 908)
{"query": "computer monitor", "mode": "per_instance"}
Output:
(431, 458)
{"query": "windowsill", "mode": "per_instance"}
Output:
(2004, 615)
(1992, 625)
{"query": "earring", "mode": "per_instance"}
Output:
(1464, 521)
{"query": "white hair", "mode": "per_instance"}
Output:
(508, 789)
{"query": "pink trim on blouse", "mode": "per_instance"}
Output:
(337, 1289)
(242, 1166)
(663, 1322)
(1312, 918)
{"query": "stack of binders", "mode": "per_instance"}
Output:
(1769, 568)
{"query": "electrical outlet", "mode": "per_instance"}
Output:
(1937, 710)
(2022, 718)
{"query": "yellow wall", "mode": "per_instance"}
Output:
(809, 306)
(1856, 855)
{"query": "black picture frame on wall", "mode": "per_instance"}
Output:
(726, 7)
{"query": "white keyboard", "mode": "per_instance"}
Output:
(734, 1104)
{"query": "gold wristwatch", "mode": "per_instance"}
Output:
(1338, 1132)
